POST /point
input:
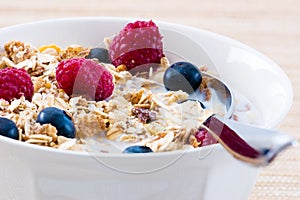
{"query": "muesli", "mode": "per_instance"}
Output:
(116, 94)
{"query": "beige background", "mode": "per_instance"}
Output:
(270, 26)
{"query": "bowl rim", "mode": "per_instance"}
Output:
(217, 147)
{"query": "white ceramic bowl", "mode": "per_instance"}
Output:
(209, 173)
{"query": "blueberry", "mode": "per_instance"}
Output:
(58, 118)
(100, 53)
(8, 128)
(182, 76)
(137, 149)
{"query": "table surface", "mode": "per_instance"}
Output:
(270, 26)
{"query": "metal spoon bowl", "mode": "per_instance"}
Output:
(220, 99)
(253, 145)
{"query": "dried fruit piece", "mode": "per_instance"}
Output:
(144, 115)
(52, 46)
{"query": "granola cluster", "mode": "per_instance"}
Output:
(140, 111)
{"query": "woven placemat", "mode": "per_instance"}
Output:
(281, 179)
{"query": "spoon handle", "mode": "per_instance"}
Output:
(258, 152)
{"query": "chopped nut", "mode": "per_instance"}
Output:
(18, 51)
(84, 120)
(38, 71)
(74, 51)
(47, 130)
(104, 123)
(164, 62)
(204, 89)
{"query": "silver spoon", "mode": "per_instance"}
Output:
(254, 145)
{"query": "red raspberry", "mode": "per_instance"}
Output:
(137, 44)
(15, 83)
(204, 137)
(84, 77)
